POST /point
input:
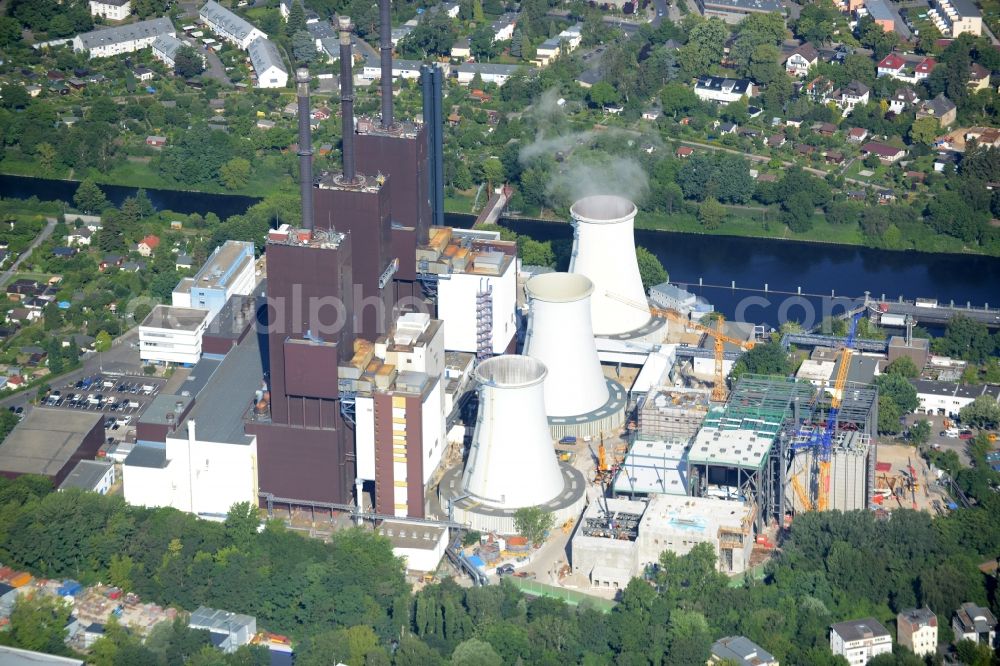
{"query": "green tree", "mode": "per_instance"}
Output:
(517, 43)
(533, 523)
(711, 213)
(493, 172)
(482, 45)
(817, 21)
(924, 130)
(241, 524)
(304, 47)
(983, 413)
(10, 32)
(120, 571)
(89, 197)
(763, 359)
(54, 353)
(188, 62)
(602, 94)
(235, 173)
(475, 652)
(102, 341)
(39, 623)
(966, 339)
(904, 367)
(296, 18)
(888, 415)
(920, 432)
(704, 48)
(900, 390)
(650, 269)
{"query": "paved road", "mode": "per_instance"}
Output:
(215, 69)
(661, 9)
(121, 358)
(46, 232)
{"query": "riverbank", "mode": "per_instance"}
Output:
(769, 227)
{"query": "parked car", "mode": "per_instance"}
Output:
(505, 569)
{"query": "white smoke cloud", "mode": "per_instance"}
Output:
(621, 176)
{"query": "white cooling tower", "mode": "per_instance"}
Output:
(604, 251)
(512, 462)
(561, 336)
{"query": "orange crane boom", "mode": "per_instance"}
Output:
(717, 334)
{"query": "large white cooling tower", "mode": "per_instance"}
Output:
(561, 336)
(604, 251)
(512, 462)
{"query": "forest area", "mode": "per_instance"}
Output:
(348, 599)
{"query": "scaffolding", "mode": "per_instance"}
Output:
(668, 412)
(484, 323)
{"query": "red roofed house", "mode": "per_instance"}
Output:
(148, 244)
(685, 151)
(924, 68)
(887, 154)
(857, 134)
(891, 65)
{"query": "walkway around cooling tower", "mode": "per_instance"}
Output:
(463, 508)
(606, 419)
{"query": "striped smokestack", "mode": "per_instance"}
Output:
(347, 98)
(305, 148)
(385, 47)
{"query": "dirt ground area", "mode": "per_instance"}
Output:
(900, 457)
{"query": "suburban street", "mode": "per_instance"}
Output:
(46, 232)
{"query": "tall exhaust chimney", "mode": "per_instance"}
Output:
(347, 98)
(305, 148)
(385, 47)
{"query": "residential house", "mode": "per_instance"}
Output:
(940, 107)
(956, 17)
(924, 69)
(917, 629)
(906, 68)
(834, 157)
(133, 266)
(741, 651)
(775, 141)
(23, 315)
(902, 99)
(723, 90)
(727, 128)
(886, 154)
(269, 69)
(23, 288)
(819, 90)
(858, 641)
(857, 134)
(801, 59)
(891, 65)
(81, 236)
(503, 27)
(488, 72)
(652, 114)
(122, 39)
(228, 26)
(155, 141)
(111, 10)
(944, 158)
(850, 96)
(804, 149)
(64, 252)
(684, 152)
(148, 245)
(165, 48)
(461, 49)
(886, 17)
(143, 74)
(183, 262)
(111, 261)
(984, 136)
(825, 129)
(979, 78)
(972, 622)
(265, 124)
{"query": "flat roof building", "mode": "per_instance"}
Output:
(230, 270)
(232, 629)
(50, 442)
(654, 467)
(91, 475)
(420, 545)
(741, 651)
(917, 629)
(858, 641)
(171, 334)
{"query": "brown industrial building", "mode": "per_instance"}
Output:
(50, 442)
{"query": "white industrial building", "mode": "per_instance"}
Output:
(578, 399)
(618, 538)
(477, 291)
(817, 372)
(122, 39)
(917, 629)
(399, 412)
(208, 463)
(165, 48)
(654, 466)
(420, 545)
(857, 641)
(229, 630)
(269, 69)
(111, 10)
(171, 334)
(229, 26)
(92, 475)
(946, 398)
(229, 271)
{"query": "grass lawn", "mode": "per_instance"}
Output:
(742, 225)
(460, 202)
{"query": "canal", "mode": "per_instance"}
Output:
(830, 277)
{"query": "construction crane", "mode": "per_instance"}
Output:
(822, 440)
(717, 334)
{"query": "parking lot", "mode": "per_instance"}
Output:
(122, 398)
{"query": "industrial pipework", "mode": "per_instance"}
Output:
(347, 99)
(305, 148)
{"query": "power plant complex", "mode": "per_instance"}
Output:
(390, 367)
